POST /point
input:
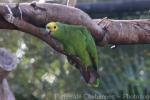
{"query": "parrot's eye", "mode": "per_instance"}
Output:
(54, 27)
(48, 27)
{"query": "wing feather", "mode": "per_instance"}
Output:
(91, 47)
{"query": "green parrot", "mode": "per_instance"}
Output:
(77, 41)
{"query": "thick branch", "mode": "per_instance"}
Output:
(127, 31)
(117, 31)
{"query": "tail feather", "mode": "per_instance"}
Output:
(91, 76)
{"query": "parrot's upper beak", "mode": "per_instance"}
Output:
(48, 31)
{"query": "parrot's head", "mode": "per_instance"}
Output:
(54, 29)
(51, 27)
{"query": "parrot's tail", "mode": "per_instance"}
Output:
(91, 76)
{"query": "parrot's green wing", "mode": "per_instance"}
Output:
(91, 47)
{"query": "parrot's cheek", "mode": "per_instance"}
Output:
(47, 30)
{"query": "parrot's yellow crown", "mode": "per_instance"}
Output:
(52, 26)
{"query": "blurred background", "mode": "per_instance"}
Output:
(44, 74)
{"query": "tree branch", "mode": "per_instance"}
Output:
(126, 31)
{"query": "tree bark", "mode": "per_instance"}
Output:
(120, 32)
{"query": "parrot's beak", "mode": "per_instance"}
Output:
(48, 32)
